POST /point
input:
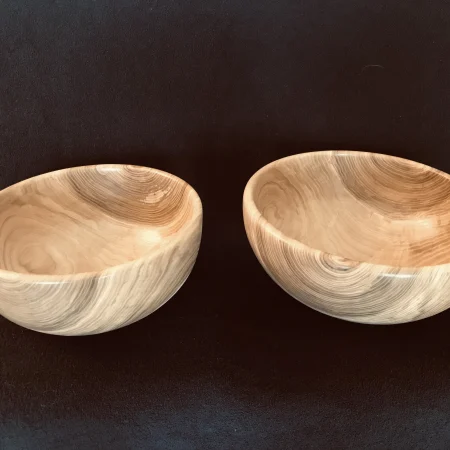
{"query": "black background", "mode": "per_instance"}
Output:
(211, 91)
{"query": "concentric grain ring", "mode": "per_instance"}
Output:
(359, 236)
(91, 249)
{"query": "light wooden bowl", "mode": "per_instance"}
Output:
(91, 249)
(358, 236)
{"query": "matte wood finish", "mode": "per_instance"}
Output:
(360, 236)
(91, 249)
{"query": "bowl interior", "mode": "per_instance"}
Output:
(361, 206)
(87, 219)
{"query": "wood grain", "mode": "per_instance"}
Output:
(358, 236)
(91, 249)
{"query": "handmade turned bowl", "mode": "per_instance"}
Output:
(359, 236)
(91, 249)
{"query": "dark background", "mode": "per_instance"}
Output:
(212, 90)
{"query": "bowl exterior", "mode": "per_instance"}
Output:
(357, 292)
(101, 302)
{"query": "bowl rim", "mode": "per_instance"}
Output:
(109, 271)
(252, 210)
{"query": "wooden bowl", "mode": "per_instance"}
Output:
(359, 236)
(90, 249)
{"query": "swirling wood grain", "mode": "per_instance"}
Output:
(359, 236)
(91, 249)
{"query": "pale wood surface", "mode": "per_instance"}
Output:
(359, 236)
(90, 249)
